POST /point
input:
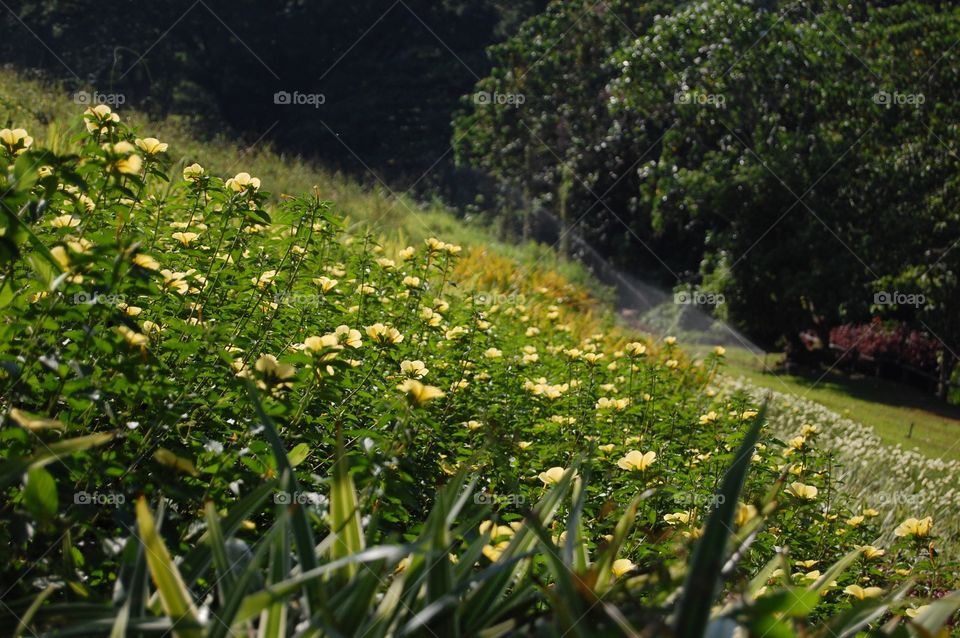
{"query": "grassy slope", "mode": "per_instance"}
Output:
(44, 108)
(889, 408)
(886, 407)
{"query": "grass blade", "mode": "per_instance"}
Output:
(174, 596)
(703, 580)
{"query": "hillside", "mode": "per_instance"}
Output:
(236, 399)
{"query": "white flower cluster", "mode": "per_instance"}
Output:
(896, 481)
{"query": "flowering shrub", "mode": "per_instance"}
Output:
(177, 348)
(889, 341)
(909, 483)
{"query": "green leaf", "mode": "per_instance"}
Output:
(174, 596)
(24, 622)
(302, 532)
(344, 510)
(703, 579)
(936, 615)
(40, 494)
(298, 454)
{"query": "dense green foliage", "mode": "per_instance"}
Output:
(390, 73)
(198, 384)
(795, 157)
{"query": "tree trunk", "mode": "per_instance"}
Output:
(947, 362)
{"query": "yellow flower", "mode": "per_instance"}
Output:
(745, 513)
(185, 238)
(677, 518)
(622, 566)
(492, 353)
(606, 449)
(606, 403)
(809, 430)
(870, 552)
(146, 261)
(406, 253)
(523, 445)
(411, 282)
(500, 537)
(242, 182)
(193, 173)
(326, 284)
(719, 351)
(635, 349)
(349, 336)
(803, 492)
(99, 117)
(637, 461)
(129, 165)
(473, 425)
(151, 145)
(123, 160)
(65, 221)
(913, 612)
(16, 140)
(855, 521)
(670, 341)
(709, 417)
(419, 393)
(175, 281)
(317, 344)
(860, 593)
(455, 333)
(672, 363)
(270, 368)
(796, 443)
(870, 512)
(553, 475)
(133, 338)
(383, 335)
(434, 244)
(264, 279)
(415, 369)
(915, 528)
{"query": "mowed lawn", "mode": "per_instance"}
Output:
(889, 408)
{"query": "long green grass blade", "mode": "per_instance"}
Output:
(174, 595)
(703, 579)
